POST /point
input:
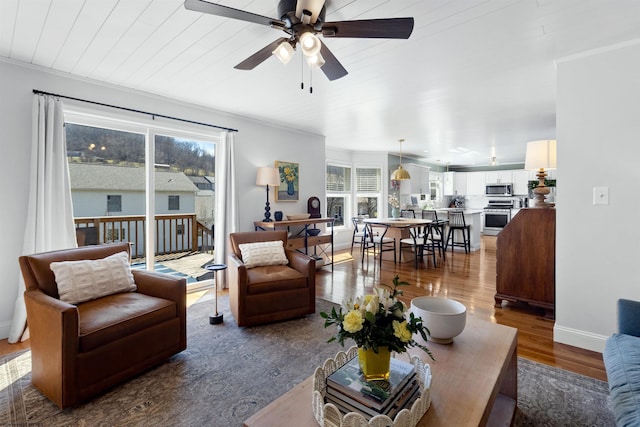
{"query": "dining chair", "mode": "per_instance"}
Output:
(378, 241)
(408, 213)
(359, 231)
(419, 242)
(435, 230)
(457, 223)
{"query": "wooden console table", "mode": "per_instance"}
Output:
(301, 240)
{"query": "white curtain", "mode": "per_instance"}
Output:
(226, 218)
(50, 224)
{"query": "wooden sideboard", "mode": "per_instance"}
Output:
(319, 247)
(526, 260)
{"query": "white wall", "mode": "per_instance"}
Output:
(257, 144)
(598, 132)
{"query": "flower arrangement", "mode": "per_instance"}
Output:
(288, 173)
(394, 201)
(377, 320)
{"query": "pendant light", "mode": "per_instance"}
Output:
(400, 174)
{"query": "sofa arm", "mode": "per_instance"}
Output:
(629, 317)
(301, 262)
(161, 285)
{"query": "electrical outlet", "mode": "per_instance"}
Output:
(600, 195)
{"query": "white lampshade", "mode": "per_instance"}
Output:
(268, 176)
(284, 52)
(315, 61)
(541, 154)
(310, 44)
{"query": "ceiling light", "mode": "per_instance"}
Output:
(284, 52)
(315, 61)
(400, 174)
(310, 44)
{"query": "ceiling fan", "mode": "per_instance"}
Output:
(302, 20)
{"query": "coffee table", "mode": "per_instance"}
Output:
(475, 383)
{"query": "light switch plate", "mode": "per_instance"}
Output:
(600, 195)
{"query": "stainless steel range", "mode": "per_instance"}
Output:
(497, 215)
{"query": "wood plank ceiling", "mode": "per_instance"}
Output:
(475, 80)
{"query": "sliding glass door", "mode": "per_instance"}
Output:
(151, 186)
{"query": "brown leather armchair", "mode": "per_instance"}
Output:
(80, 350)
(270, 293)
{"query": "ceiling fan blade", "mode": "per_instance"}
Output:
(391, 28)
(229, 12)
(260, 56)
(332, 68)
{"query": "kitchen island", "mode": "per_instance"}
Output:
(472, 217)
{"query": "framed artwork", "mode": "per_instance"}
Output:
(289, 189)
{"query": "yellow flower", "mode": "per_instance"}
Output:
(353, 321)
(401, 331)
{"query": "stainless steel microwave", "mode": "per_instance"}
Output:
(499, 190)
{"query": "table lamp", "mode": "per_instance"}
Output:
(268, 176)
(541, 155)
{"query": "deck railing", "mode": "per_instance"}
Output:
(173, 233)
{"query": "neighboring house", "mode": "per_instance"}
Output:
(106, 190)
(205, 199)
(103, 191)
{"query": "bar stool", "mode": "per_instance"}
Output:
(457, 223)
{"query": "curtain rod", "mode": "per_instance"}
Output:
(40, 92)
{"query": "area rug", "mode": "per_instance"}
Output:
(228, 373)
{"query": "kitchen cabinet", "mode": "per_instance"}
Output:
(448, 186)
(499, 177)
(526, 260)
(476, 182)
(419, 182)
(521, 180)
(460, 184)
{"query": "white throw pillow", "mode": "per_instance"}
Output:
(259, 254)
(80, 281)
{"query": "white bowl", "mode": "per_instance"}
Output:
(294, 217)
(445, 318)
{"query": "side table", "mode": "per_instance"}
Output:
(216, 319)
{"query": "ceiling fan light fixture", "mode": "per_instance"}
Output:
(284, 52)
(315, 61)
(310, 44)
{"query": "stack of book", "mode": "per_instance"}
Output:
(348, 390)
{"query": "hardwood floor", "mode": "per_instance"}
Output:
(469, 279)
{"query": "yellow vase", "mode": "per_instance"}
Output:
(375, 366)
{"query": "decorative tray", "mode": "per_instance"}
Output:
(328, 415)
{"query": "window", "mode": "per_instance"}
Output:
(107, 155)
(114, 203)
(368, 189)
(338, 192)
(174, 203)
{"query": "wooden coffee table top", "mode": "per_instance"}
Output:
(474, 383)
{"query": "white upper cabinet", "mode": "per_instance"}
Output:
(476, 182)
(499, 177)
(419, 182)
(521, 180)
(448, 185)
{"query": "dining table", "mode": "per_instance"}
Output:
(398, 229)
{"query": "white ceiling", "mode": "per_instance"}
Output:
(476, 79)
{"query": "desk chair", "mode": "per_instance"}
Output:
(457, 223)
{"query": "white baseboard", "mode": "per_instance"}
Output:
(578, 338)
(5, 328)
